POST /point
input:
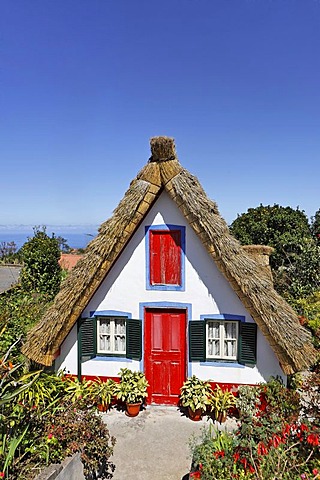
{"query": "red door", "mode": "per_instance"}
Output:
(165, 354)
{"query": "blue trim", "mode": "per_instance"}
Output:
(149, 286)
(112, 359)
(219, 364)
(164, 305)
(223, 316)
(110, 313)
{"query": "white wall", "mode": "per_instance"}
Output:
(206, 291)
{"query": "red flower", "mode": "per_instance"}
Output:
(313, 439)
(302, 320)
(244, 462)
(315, 471)
(286, 430)
(219, 453)
(2, 474)
(236, 456)
(276, 441)
(262, 449)
(50, 436)
(196, 474)
(304, 428)
(251, 469)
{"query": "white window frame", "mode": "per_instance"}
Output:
(222, 339)
(112, 335)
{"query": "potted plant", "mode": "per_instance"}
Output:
(76, 389)
(131, 390)
(221, 401)
(102, 392)
(195, 395)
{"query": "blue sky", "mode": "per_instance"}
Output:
(84, 84)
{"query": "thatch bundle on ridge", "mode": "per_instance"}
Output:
(248, 278)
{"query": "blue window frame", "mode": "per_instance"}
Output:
(150, 285)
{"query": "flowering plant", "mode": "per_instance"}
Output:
(268, 443)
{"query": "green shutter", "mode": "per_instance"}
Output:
(87, 338)
(134, 339)
(197, 340)
(248, 343)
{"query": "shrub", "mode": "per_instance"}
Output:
(19, 311)
(195, 394)
(81, 430)
(274, 441)
(41, 271)
(41, 424)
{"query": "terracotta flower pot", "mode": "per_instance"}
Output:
(222, 417)
(195, 415)
(102, 408)
(133, 409)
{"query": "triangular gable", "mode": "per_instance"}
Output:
(275, 318)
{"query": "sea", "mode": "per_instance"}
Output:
(76, 236)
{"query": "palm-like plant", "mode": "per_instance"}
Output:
(132, 387)
(101, 392)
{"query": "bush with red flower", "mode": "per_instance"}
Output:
(269, 443)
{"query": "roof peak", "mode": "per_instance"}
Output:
(162, 149)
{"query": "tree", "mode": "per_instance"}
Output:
(295, 262)
(41, 271)
(302, 277)
(282, 228)
(63, 246)
(315, 226)
(8, 252)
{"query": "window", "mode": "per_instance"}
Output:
(165, 257)
(111, 334)
(222, 340)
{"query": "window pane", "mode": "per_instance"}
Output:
(213, 348)
(119, 343)
(104, 326)
(230, 348)
(214, 330)
(104, 343)
(230, 329)
(210, 347)
(120, 327)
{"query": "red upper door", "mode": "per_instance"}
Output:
(165, 354)
(165, 257)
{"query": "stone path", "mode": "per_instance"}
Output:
(153, 445)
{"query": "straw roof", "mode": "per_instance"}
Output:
(163, 172)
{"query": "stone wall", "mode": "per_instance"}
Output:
(70, 469)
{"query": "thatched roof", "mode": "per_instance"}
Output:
(163, 172)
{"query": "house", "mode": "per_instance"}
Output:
(166, 289)
(69, 260)
(9, 276)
